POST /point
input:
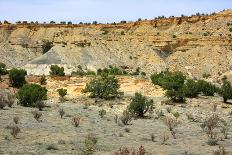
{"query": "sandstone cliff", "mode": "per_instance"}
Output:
(194, 45)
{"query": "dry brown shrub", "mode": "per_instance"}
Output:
(37, 115)
(171, 123)
(126, 151)
(76, 121)
(61, 112)
(126, 117)
(16, 119)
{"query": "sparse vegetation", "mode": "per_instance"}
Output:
(16, 119)
(3, 70)
(89, 147)
(140, 105)
(17, 77)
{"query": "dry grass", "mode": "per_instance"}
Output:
(76, 121)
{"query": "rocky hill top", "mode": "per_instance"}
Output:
(196, 45)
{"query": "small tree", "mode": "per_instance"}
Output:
(30, 95)
(104, 87)
(173, 83)
(55, 70)
(226, 90)
(17, 77)
(62, 92)
(140, 105)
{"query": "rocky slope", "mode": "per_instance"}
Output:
(194, 45)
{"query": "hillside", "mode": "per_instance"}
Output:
(194, 45)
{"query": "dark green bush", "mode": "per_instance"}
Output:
(207, 88)
(62, 92)
(112, 71)
(226, 90)
(173, 83)
(55, 70)
(17, 77)
(31, 94)
(191, 89)
(104, 87)
(81, 72)
(3, 70)
(157, 78)
(140, 105)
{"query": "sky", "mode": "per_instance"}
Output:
(104, 10)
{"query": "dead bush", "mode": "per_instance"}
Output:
(171, 123)
(15, 130)
(89, 147)
(11, 100)
(152, 137)
(164, 137)
(126, 117)
(76, 121)
(126, 151)
(61, 112)
(221, 151)
(210, 124)
(2, 102)
(37, 115)
(16, 119)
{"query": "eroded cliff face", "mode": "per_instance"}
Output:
(194, 45)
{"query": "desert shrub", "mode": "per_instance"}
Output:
(76, 121)
(102, 113)
(104, 87)
(221, 151)
(15, 130)
(37, 115)
(81, 72)
(210, 124)
(127, 151)
(30, 95)
(172, 82)
(152, 137)
(16, 119)
(43, 80)
(164, 137)
(17, 77)
(47, 45)
(112, 71)
(62, 92)
(61, 112)
(207, 88)
(52, 147)
(226, 90)
(2, 102)
(89, 147)
(230, 29)
(126, 117)
(3, 70)
(55, 70)
(206, 75)
(171, 123)
(191, 89)
(127, 130)
(10, 100)
(140, 105)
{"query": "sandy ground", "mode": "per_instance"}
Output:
(35, 137)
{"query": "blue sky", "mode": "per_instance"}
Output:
(104, 10)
